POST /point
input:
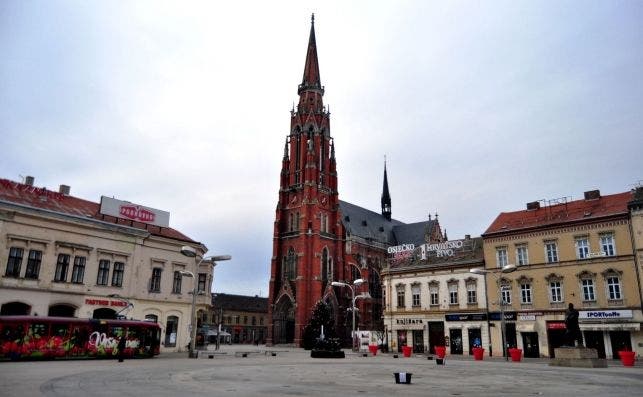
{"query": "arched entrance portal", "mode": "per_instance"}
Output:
(15, 309)
(61, 311)
(104, 313)
(284, 322)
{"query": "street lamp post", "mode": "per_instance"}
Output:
(505, 269)
(365, 295)
(191, 253)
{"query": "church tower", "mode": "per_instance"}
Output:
(306, 249)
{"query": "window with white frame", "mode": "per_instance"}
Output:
(400, 295)
(415, 295)
(501, 256)
(453, 293)
(587, 285)
(607, 244)
(555, 291)
(472, 292)
(522, 255)
(505, 294)
(614, 288)
(525, 293)
(551, 251)
(434, 294)
(582, 247)
(613, 285)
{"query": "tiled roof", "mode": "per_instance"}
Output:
(563, 213)
(42, 198)
(240, 303)
(367, 224)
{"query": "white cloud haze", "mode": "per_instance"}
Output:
(184, 106)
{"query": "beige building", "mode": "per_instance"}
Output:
(432, 299)
(565, 251)
(65, 256)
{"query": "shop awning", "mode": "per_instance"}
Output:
(610, 327)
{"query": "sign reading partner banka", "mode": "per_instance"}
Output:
(134, 212)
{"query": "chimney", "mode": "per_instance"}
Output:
(593, 195)
(64, 190)
(29, 180)
(467, 236)
(534, 205)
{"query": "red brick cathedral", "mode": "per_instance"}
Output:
(319, 239)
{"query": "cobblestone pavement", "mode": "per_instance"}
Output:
(291, 372)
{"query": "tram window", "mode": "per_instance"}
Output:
(12, 333)
(38, 330)
(116, 331)
(59, 330)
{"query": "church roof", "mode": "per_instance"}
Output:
(370, 225)
(43, 199)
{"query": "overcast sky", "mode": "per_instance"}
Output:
(184, 106)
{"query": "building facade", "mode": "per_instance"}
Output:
(432, 299)
(565, 251)
(319, 239)
(64, 256)
(241, 319)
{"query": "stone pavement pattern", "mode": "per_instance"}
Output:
(293, 373)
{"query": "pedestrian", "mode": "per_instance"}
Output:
(121, 349)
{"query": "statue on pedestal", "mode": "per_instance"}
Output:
(573, 334)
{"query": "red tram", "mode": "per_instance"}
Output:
(33, 337)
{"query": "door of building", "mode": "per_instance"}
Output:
(595, 340)
(418, 341)
(436, 335)
(455, 336)
(510, 335)
(401, 339)
(555, 336)
(620, 341)
(530, 344)
(475, 339)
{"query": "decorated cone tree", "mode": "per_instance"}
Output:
(312, 331)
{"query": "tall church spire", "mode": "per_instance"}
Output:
(386, 197)
(310, 90)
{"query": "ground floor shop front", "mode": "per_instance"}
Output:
(538, 334)
(459, 332)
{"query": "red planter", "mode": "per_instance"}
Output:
(373, 349)
(627, 358)
(440, 351)
(407, 350)
(516, 354)
(478, 353)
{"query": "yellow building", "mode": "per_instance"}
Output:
(70, 257)
(564, 251)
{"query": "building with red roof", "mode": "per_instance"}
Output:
(70, 257)
(560, 252)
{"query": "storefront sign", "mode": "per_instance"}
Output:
(401, 248)
(409, 321)
(604, 314)
(105, 302)
(139, 213)
(556, 325)
(466, 317)
(527, 317)
(446, 248)
(510, 316)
